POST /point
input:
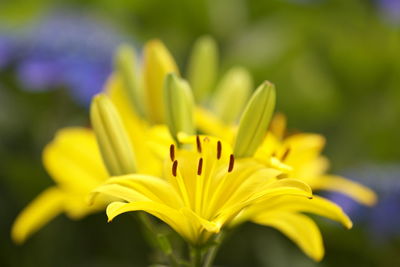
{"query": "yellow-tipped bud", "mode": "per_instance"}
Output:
(125, 60)
(203, 67)
(232, 94)
(255, 120)
(178, 105)
(158, 62)
(113, 141)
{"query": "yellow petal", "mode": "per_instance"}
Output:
(299, 228)
(304, 156)
(76, 206)
(40, 211)
(208, 225)
(158, 62)
(358, 192)
(317, 205)
(170, 216)
(286, 186)
(119, 192)
(278, 125)
(73, 160)
(154, 188)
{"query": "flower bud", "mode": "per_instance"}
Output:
(158, 62)
(255, 120)
(203, 67)
(114, 144)
(232, 93)
(178, 106)
(125, 61)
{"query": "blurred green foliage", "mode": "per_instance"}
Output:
(336, 67)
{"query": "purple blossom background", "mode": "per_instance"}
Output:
(66, 50)
(382, 220)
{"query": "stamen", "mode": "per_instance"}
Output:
(172, 152)
(174, 168)
(284, 156)
(200, 166)
(231, 163)
(273, 154)
(198, 144)
(219, 149)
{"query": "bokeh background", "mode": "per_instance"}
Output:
(336, 66)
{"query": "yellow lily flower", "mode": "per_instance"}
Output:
(283, 213)
(204, 190)
(305, 233)
(301, 152)
(201, 190)
(74, 162)
(299, 155)
(286, 216)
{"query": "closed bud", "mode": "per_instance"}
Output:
(113, 141)
(232, 93)
(125, 61)
(158, 62)
(203, 67)
(255, 120)
(178, 106)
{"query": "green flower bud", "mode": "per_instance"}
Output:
(178, 101)
(113, 141)
(203, 67)
(255, 119)
(232, 94)
(125, 64)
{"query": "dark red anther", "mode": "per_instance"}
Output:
(174, 168)
(200, 166)
(285, 154)
(172, 152)
(231, 163)
(219, 149)
(198, 144)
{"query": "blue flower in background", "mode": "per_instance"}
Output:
(383, 219)
(69, 50)
(390, 10)
(6, 50)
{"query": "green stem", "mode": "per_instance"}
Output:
(161, 240)
(210, 257)
(195, 257)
